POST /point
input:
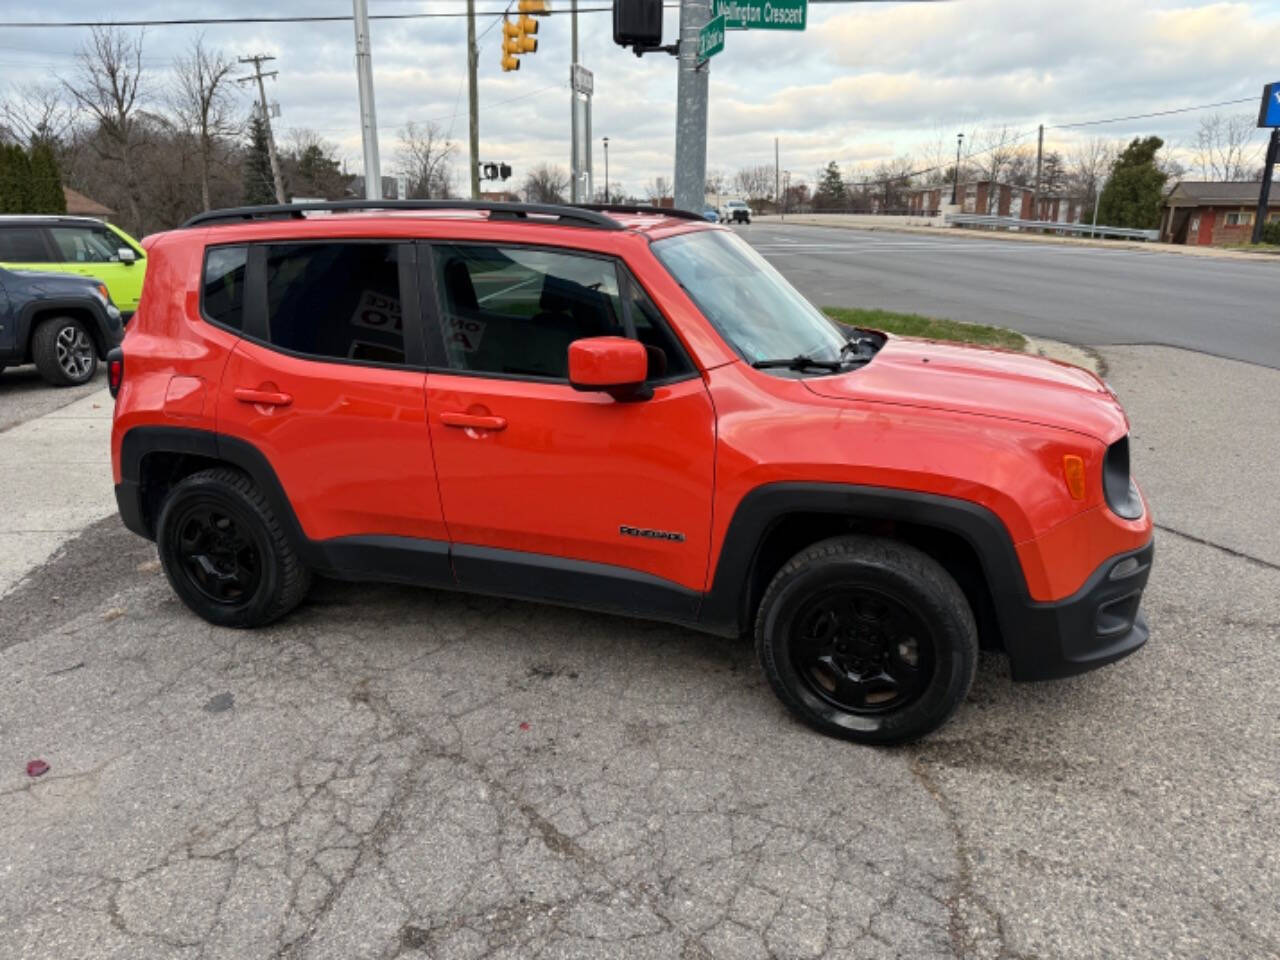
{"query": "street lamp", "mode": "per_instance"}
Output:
(606, 169)
(955, 174)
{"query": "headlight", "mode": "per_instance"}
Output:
(1117, 486)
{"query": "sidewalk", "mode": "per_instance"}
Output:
(56, 474)
(895, 224)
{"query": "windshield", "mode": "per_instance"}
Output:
(752, 306)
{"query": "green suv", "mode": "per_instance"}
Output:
(79, 245)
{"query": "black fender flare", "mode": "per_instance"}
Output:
(725, 607)
(102, 338)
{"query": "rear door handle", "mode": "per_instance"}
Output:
(266, 398)
(475, 421)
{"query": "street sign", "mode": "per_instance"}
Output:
(711, 38)
(1269, 115)
(762, 14)
(581, 79)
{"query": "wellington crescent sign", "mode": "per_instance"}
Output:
(762, 14)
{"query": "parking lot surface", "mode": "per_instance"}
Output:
(394, 772)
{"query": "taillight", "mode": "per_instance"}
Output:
(115, 370)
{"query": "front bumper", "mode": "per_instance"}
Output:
(1099, 624)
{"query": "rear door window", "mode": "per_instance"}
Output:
(338, 301)
(24, 245)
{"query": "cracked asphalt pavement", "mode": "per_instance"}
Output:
(408, 773)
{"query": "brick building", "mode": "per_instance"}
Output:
(974, 196)
(1204, 213)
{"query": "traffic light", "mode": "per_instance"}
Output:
(516, 39)
(511, 51)
(538, 8)
(504, 170)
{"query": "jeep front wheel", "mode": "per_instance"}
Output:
(867, 639)
(225, 553)
(64, 352)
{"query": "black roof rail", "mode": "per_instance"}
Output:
(641, 208)
(569, 215)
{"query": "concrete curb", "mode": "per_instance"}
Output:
(1212, 253)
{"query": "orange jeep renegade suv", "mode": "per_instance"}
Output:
(624, 409)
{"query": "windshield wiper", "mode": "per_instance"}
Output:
(800, 362)
(861, 349)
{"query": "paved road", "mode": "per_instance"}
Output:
(408, 773)
(1084, 295)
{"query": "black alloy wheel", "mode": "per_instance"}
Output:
(225, 553)
(868, 639)
(863, 650)
(218, 557)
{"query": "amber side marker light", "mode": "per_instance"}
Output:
(1073, 471)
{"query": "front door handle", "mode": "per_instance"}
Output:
(265, 398)
(475, 421)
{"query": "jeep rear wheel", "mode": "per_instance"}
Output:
(64, 352)
(867, 639)
(224, 552)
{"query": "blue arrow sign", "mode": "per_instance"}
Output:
(1269, 115)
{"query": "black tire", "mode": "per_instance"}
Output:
(225, 553)
(839, 626)
(64, 352)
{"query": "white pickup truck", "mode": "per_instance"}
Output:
(735, 211)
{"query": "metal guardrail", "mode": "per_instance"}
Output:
(1082, 229)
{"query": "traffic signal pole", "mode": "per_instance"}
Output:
(368, 115)
(473, 100)
(691, 108)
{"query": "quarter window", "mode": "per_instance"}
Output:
(336, 300)
(85, 244)
(515, 310)
(224, 270)
(22, 245)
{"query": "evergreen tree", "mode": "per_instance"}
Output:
(1132, 196)
(259, 184)
(46, 180)
(831, 189)
(15, 180)
(318, 174)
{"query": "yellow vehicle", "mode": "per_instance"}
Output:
(78, 245)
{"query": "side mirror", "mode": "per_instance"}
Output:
(126, 255)
(613, 365)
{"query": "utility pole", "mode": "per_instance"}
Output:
(691, 108)
(955, 172)
(473, 99)
(1264, 194)
(1035, 197)
(606, 171)
(258, 60)
(777, 178)
(575, 135)
(368, 115)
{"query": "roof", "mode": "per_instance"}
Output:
(47, 219)
(1204, 193)
(79, 204)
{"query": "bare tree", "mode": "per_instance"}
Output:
(995, 148)
(425, 160)
(716, 184)
(890, 180)
(1088, 165)
(1223, 150)
(755, 183)
(658, 189)
(34, 112)
(202, 104)
(109, 86)
(545, 184)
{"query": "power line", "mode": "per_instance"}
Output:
(1158, 113)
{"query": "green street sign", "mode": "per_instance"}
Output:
(762, 14)
(711, 38)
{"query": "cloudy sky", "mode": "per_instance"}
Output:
(865, 82)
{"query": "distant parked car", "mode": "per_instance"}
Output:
(735, 211)
(709, 213)
(64, 325)
(78, 245)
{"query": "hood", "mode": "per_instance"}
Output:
(984, 382)
(59, 282)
